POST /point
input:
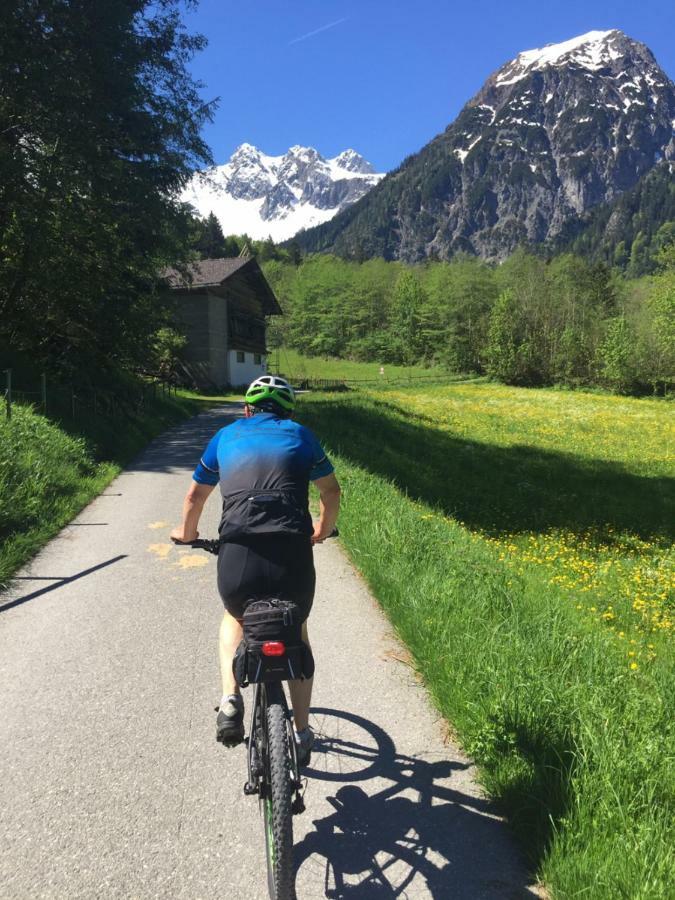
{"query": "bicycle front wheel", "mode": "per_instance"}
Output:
(278, 798)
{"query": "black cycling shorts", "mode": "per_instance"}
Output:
(266, 565)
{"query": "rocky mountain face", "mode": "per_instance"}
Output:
(630, 231)
(550, 135)
(278, 195)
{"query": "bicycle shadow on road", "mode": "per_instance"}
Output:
(404, 830)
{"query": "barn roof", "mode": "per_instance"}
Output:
(205, 273)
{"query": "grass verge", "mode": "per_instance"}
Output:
(50, 470)
(576, 745)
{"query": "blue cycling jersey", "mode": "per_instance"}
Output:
(264, 465)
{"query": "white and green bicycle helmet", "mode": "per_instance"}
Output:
(271, 389)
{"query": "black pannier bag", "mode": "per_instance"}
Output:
(272, 621)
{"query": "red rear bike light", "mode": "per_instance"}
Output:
(273, 648)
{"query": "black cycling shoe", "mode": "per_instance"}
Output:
(230, 722)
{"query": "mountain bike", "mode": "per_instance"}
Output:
(273, 771)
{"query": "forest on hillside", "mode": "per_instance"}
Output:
(529, 321)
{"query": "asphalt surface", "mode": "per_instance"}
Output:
(112, 783)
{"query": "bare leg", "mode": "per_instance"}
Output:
(301, 694)
(230, 635)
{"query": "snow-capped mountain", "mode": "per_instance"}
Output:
(277, 196)
(551, 134)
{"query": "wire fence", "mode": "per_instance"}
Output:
(76, 401)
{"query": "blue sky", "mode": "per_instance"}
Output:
(381, 77)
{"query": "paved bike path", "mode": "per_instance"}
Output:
(112, 783)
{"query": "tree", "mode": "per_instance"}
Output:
(502, 348)
(166, 346)
(617, 355)
(210, 242)
(639, 256)
(231, 246)
(294, 253)
(529, 287)
(99, 130)
(656, 329)
(620, 255)
(460, 295)
(406, 344)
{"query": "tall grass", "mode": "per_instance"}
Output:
(576, 745)
(50, 469)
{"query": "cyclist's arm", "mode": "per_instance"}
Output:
(329, 506)
(193, 505)
(204, 479)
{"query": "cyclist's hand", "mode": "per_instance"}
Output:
(178, 536)
(320, 533)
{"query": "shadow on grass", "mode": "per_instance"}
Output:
(536, 764)
(495, 489)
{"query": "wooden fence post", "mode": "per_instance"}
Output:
(8, 392)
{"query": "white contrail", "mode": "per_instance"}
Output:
(303, 37)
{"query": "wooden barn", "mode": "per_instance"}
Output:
(222, 306)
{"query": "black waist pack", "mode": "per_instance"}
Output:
(272, 648)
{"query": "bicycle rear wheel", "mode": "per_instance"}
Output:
(278, 798)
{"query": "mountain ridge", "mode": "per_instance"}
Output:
(276, 196)
(551, 134)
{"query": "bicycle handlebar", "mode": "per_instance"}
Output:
(213, 546)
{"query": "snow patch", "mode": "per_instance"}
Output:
(492, 111)
(591, 51)
(462, 154)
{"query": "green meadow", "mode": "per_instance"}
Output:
(521, 543)
(291, 364)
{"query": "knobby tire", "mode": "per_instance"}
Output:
(277, 803)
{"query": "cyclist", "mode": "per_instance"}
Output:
(264, 463)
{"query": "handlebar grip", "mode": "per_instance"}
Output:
(200, 544)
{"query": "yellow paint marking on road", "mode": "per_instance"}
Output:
(161, 550)
(158, 525)
(191, 562)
